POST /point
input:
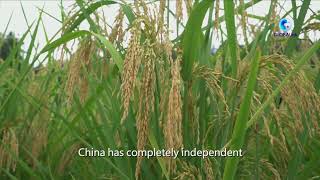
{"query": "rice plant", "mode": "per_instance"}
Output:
(73, 108)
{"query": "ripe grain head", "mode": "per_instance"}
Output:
(130, 68)
(146, 101)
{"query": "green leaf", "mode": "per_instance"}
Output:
(239, 131)
(93, 26)
(64, 39)
(6, 28)
(232, 37)
(128, 12)
(154, 144)
(112, 50)
(192, 36)
(297, 27)
(33, 38)
(87, 12)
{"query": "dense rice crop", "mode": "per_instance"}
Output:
(130, 86)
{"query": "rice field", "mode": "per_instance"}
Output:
(75, 107)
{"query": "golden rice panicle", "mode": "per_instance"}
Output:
(216, 15)
(146, 102)
(173, 132)
(179, 10)
(162, 7)
(208, 169)
(9, 149)
(273, 17)
(145, 8)
(298, 101)
(73, 75)
(212, 82)
(141, 3)
(86, 66)
(84, 89)
(301, 97)
(67, 158)
(117, 30)
(188, 171)
(172, 128)
(130, 69)
(39, 135)
(164, 79)
(136, 7)
(188, 6)
(266, 165)
(243, 20)
(80, 59)
(168, 47)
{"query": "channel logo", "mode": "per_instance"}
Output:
(285, 25)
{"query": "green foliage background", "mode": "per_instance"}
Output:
(262, 97)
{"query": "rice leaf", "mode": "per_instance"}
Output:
(192, 36)
(239, 131)
(112, 50)
(82, 16)
(232, 37)
(63, 39)
(297, 27)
